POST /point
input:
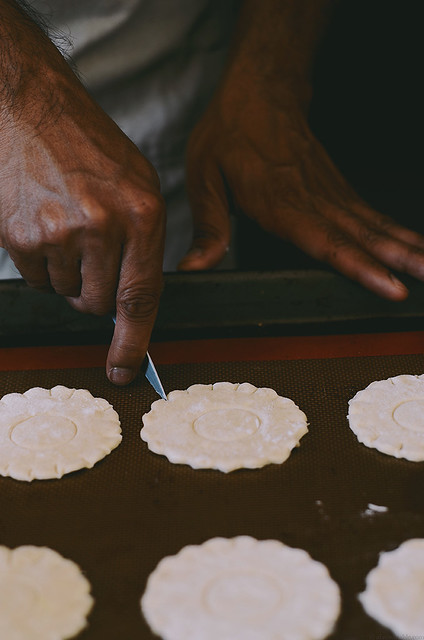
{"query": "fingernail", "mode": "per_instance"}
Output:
(397, 282)
(119, 375)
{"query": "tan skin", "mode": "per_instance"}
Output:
(80, 207)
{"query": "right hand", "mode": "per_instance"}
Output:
(81, 213)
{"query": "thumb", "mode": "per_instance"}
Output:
(211, 222)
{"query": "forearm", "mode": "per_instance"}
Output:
(274, 47)
(31, 68)
(41, 97)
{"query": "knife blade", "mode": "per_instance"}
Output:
(151, 373)
(153, 377)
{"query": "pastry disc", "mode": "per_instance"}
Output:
(388, 415)
(43, 596)
(241, 588)
(45, 433)
(394, 593)
(224, 426)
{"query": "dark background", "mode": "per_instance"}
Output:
(367, 110)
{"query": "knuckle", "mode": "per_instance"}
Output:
(336, 242)
(149, 209)
(19, 240)
(138, 305)
(89, 304)
(152, 174)
(39, 284)
(334, 236)
(95, 219)
(96, 304)
(382, 223)
(369, 237)
(95, 298)
(53, 227)
(66, 286)
(386, 225)
(49, 228)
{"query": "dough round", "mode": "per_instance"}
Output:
(394, 593)
(389, 416)
(224, 426)
(46, 433)
(43, 596)
(241, 588)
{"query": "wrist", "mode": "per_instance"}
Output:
(245, 97)
(283, 88)
(272, 53)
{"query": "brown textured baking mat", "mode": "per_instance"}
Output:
(120, 518)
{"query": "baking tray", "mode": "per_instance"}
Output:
(222, 303)
(120, 518)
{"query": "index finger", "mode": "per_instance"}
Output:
(137, 302)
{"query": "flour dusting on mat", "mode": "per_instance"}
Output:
(373, 509)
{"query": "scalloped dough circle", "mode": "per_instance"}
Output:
(388, 415)
(224, 426)
(45, 433)
(394, 590)
(43, 596)
(241, 588)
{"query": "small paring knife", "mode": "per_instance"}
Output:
(153, 377)
(151, 373)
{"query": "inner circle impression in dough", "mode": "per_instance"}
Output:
(224, 426)
(394, 590)
(388, 415)
(241, 588)
(232, 594)
(45, 433)
(212, 425)
(43, 596)
(410, 414)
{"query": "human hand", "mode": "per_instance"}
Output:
(262, 160)
(80, 209)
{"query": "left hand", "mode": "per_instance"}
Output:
(264, 161)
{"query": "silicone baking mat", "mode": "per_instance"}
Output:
(120, 518)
